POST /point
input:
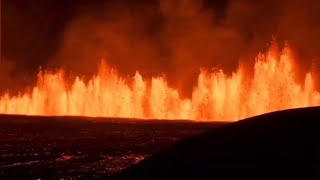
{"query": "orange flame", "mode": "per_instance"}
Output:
(215, 97)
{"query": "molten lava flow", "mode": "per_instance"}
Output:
(215, 97)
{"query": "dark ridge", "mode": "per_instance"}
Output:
(279, 145)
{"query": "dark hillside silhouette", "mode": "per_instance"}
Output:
(280, 145)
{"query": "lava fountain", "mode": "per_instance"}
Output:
(216, 96)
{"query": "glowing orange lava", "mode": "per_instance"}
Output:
(216, 96)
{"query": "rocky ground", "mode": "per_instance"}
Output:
(76, 148)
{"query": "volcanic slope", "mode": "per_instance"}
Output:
(279, 145)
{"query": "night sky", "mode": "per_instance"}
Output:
(150, 35)
(32, 28)
(32, 32)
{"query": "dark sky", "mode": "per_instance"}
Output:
(176, 37)
(31, 29)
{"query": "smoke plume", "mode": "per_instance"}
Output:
(178, 37)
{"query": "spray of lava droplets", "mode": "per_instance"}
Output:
(216, 96)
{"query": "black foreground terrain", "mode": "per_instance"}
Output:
(83, 148)
(280, 145)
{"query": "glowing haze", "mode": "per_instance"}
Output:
(272, 85)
